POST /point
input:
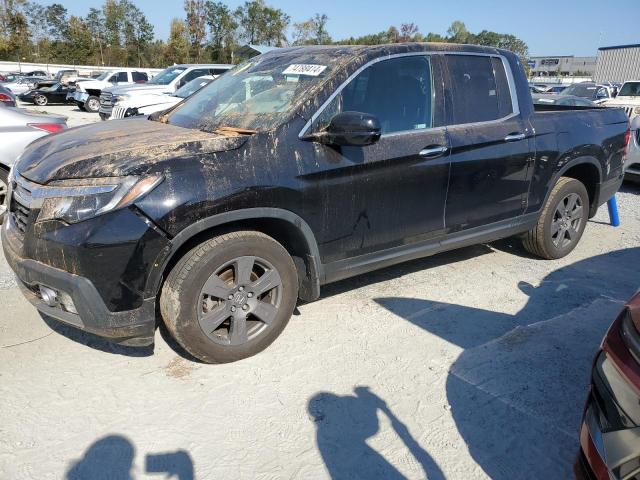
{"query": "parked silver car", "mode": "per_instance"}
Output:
(18, 128)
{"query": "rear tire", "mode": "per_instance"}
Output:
(92, 104)
(230, 297)
(40, 100)
(562, 221)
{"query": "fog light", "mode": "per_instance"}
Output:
(49, 296)
(67, 303)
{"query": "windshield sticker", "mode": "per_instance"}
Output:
(302, 69)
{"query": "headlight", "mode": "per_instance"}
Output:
(636, 110)
(77, 200)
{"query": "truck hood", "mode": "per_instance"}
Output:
(139, 89)
(94, 84)
(626, 100)
(116, 148)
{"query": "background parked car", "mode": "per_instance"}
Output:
(596, 92)
(557, 89)
(567, 100)
(610, 433)
(7, 98)
(22, 85)
(18, 128)
(87, 93)
(156, 102)
(42, 96)
(167, 81)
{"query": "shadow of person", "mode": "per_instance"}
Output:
(110, 458)
(517, 390)
(344, 423)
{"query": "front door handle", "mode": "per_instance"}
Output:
(515, 137)
(433, 151)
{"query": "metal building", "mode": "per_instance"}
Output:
(562, 66)
(618, 64)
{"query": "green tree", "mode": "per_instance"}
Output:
(138, 33)
(312, 31)
(96, 24)
(223, 27)
(177, 50)
(261, 24)
(196, 26)
(458, 32)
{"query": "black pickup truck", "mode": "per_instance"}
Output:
(298, 168)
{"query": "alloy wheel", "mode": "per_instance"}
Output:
(240, 300)
(567, 220)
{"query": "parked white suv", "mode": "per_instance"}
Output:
(156, 102)
(87, 94)
(629, 98)
(167, 81)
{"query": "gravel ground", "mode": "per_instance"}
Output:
(469, 364)
(75, 116)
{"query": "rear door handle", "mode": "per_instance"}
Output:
(433, 151)
(515, 137)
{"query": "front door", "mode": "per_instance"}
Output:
(391, 193)
(489, 141)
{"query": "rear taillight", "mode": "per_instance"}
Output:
(5, 98)
(48, 127)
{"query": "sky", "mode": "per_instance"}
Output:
(560, 27)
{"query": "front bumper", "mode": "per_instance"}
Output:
(80, 96)
(610, 433)
(130, 327)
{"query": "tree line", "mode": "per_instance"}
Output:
(119, 33)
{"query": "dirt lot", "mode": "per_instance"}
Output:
(75, 116)
(470, 364)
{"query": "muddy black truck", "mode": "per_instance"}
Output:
(298, 168)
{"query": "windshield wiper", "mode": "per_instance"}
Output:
(231, 131)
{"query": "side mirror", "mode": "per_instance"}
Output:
(350, 129)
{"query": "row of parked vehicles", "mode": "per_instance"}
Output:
(303, 167)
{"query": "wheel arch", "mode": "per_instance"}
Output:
(283, 225)
(587, 170)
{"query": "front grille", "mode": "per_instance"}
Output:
(628, 111)
(19, 208)
(118, 112)
(106, 102)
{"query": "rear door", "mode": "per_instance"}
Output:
(393, 192)
(489, 140)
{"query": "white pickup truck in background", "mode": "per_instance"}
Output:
(87, 93)
(153, 102)
(167, 81)
(629, 98)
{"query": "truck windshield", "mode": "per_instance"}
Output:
(630, 89)
(257, 95)
(166, 76)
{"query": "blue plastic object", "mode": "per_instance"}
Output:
(613, 211)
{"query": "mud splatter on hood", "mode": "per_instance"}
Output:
(115, 148)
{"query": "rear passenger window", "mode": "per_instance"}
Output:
(477, 91)
(397, 91)
(219, 71)
(122, 77)
(139, 76)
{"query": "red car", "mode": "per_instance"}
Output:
(610, 433)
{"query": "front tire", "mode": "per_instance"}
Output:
(92, 104)
(562, 221)
(40, 100)
(230, 297)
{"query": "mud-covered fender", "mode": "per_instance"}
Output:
(310, 265)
